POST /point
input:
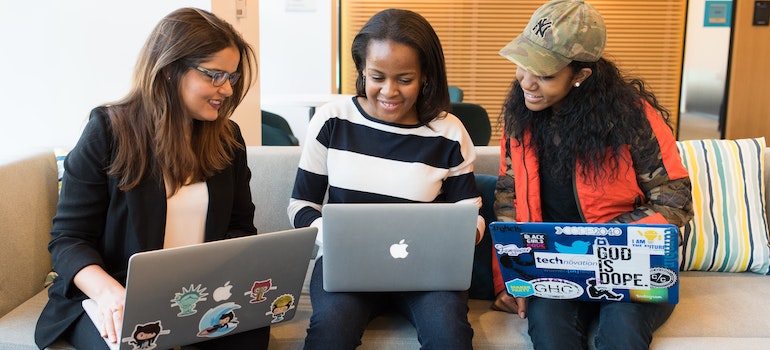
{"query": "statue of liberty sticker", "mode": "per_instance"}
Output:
(188, 299)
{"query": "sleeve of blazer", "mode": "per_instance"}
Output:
(242, 218)
(81, 211)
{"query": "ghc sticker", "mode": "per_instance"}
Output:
(519, 288)
(556, 288)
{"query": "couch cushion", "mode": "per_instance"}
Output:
(273, 169)
(29, 196)
(729, 230)
(18, 326)
(720, 305)
(487, 160)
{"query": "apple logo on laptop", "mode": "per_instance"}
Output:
(223, 292)
(398, 250)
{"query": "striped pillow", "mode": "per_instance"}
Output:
(729, 230)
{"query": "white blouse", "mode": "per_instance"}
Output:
(186, 214)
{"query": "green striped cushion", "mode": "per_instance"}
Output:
(729, 230)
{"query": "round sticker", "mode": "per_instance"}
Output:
(661, 277)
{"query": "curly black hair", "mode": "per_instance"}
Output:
(593, 123)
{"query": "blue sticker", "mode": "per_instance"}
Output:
(218, 321)
(519, 288)
(577, 247)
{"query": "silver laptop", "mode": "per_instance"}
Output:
(190, 294)
(398, 247)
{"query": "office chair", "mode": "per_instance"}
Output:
(476, 121)
(276, 131)
(455, 94)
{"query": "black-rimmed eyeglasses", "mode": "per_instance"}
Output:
(218, 78)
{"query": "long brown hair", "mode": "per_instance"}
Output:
(150, 124)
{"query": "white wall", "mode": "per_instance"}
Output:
(705, 63)
(62, 58)
(295, 54)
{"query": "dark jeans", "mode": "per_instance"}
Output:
(339, 319)
(566, 324)
(482, 282)
(83, 335)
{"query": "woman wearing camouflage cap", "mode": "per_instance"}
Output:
(583, 144)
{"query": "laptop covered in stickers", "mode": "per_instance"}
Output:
(190, 294)
(388, 247)
(589, 262)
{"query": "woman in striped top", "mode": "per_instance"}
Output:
(392, 142)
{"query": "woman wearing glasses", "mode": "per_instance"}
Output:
(163, 167)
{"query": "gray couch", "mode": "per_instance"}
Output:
(716, 310)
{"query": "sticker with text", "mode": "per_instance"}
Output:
(563, 261)
(519, 288)
(622, 267)
(661, 277)
(511, 249)
(556, 288)
(652, 238)
(536, 241)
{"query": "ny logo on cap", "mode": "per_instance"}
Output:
(542, 26)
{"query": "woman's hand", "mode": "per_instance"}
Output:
(507, 303)
(111, 311)
(109, 296)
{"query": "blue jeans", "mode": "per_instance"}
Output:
(566, 324)
(339, 319)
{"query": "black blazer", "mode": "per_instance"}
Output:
(97, 223)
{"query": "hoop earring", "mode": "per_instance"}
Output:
(424, 88)
(363, 80)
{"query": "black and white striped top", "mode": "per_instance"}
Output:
(360, 159)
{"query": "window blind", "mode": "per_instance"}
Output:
(645, 39)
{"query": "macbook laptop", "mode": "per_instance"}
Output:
(398, 246)
(190, 294)
(590, 262)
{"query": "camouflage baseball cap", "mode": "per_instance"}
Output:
(559, 32)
